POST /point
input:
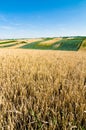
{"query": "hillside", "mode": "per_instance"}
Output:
(63, 43)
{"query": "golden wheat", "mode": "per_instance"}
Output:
(42, 90)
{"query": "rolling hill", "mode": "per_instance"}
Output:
(62, 43)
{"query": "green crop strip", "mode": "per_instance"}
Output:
(70, 45)
(34, 45)
(8, 45)
(7, 42)
(65, 44)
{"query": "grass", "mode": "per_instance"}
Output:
(10, 41)
(42, 90)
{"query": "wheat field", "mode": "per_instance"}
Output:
(42, 90)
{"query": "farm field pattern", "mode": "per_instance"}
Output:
(65, 44)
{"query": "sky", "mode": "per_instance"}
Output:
(42, 18)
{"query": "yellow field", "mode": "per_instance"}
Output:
(83, 46)
(42, 90)
(49, 42)
(19, 42)
(1, 45)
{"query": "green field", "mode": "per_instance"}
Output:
(70, 45)
(9, 41)
(65, 44)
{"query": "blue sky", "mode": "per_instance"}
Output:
(42, 18)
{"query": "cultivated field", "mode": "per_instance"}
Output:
(42, 90)
(62, 43)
